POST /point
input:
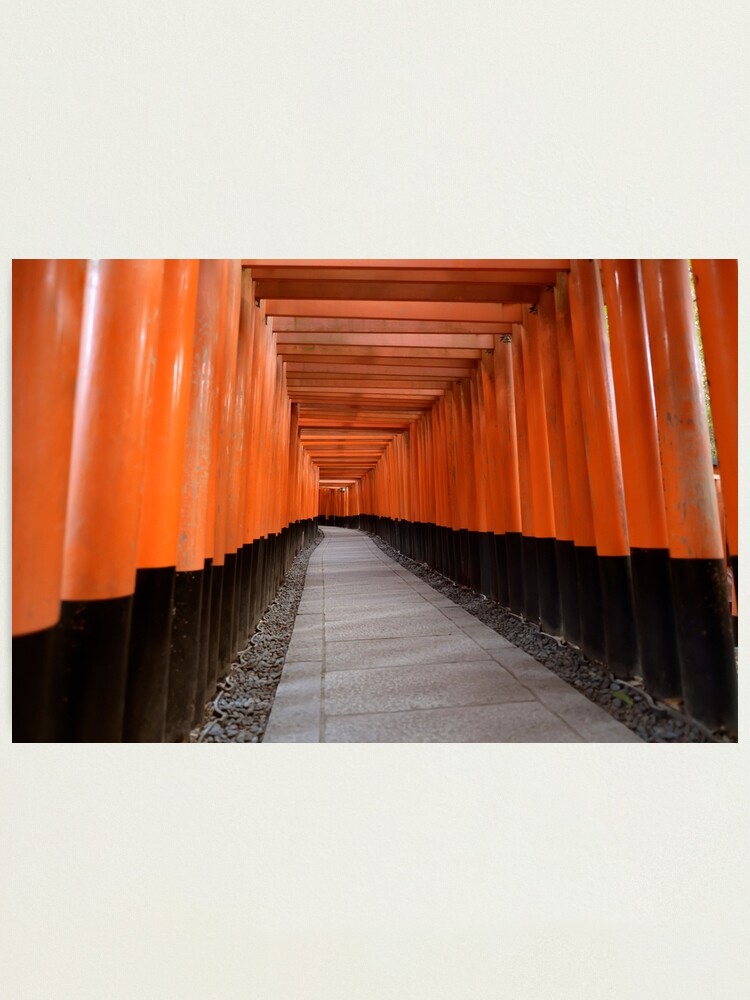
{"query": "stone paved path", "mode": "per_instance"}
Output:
(378, 656)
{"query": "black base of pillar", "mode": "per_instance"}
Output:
(33, 657)
(148, 658)
(90, 670)
(568, 582)
(516, 590)
(530, 579)
(704, 635)
(187, 677)
(654, 615)
(619, 616)
(550, 612)
(590, 603)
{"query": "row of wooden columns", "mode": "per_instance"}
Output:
(571, 477)
(159, 491)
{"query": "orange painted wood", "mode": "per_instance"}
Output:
(581, 510)
(483, 312)
(549, 361)
(217, 387)
(159, 522)
(47, 313)
(508, 433)
(508, 264)
(193, 547)
(276, 289)
(716, 287)
(636, 405)
(598, 409)
(532, 276)
(113, 400)
(689, 491)
(522, 433)
(539, 461)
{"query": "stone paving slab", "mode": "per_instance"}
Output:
(522, 722)
(377, 655)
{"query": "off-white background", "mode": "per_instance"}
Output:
(409, 129)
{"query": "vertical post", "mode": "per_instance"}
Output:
(528, 538)
(587, 569)
(495, 472)
(716, 291)
(153, 603)
(510, 485)
(47, 310)
(704, 632)
(222, 555)
(113, 400)
(187, 666)
(541, 478)
(549, 363)
(641, 470)
(603, 453)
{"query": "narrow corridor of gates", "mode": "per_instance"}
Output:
(535, 430)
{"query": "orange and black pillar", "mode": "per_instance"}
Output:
(113, 403)
(697, 567)
(603, 461)
(47, 311)
(642, 478)
(192, 594)
(153, 604)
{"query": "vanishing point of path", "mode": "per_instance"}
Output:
(378, 656)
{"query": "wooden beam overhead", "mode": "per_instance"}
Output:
(535, 276)
(396, 291)
(374, 354)
(472, 312)
(471, 341)
(333, 324)
(478, 263)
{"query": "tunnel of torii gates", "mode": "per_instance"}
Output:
(536, 430)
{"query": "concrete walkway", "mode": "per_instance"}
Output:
(378, 656)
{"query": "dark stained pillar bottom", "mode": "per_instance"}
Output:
(514, 551)
(530, 579)
(33, 656)
(654, 615)
(90, 670)
(148, 659)
(550, 613)
(619, 616)
(704, 635)
(186, 665)
(590, 603)
(568, 583)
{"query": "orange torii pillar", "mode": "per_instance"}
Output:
(588, 583)
(704, 630)
(716, 290)
(113, 400)
(550, 613)
(188, 655)
(528, 537)
(511, 548)
(153, 605)
(641, 468)
(548, 359)
(216, 510)
(603, 460)
(47, 310)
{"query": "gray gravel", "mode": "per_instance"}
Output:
(239, 712)
(625, 701)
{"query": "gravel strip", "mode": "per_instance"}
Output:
(625, 701)
(239, 712)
